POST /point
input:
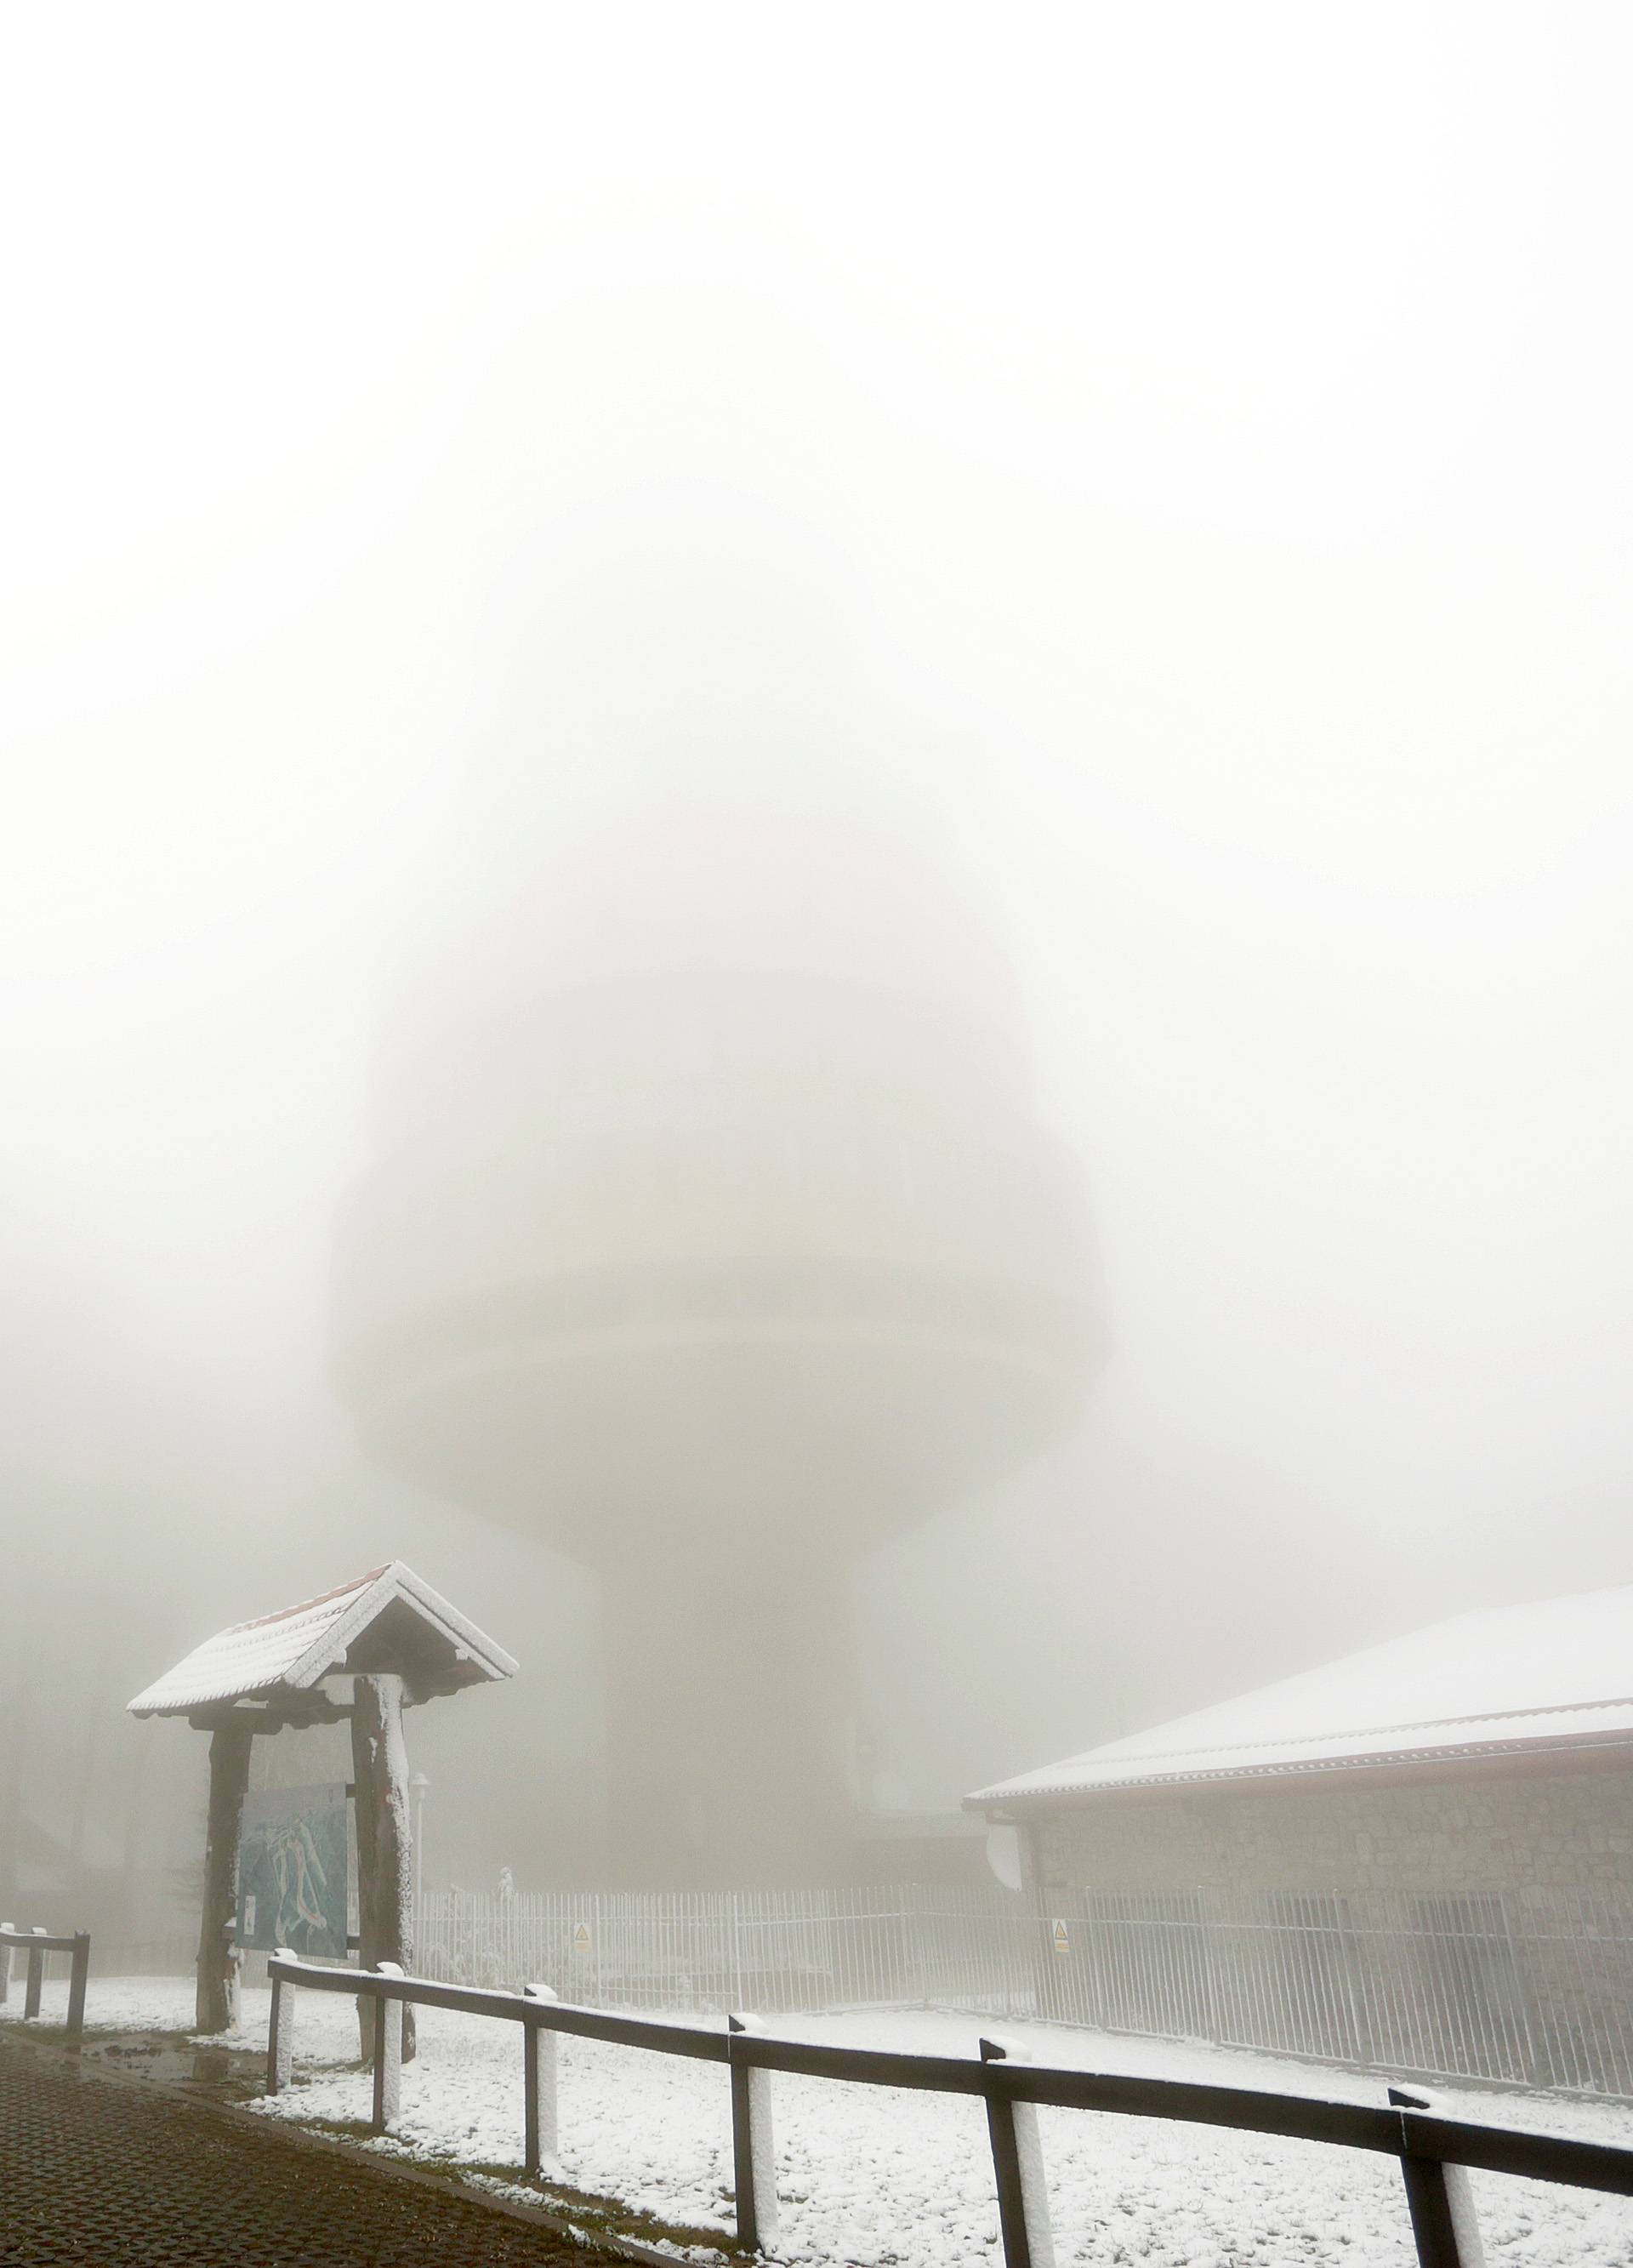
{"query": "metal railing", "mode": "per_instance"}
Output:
(1533, 1988)
(1434, 2152)
(707, 1951)
(37, 1943)
(1531, 1992)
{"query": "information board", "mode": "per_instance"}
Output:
(292, 1871)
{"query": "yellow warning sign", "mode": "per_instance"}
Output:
(1060, 1936)
(582, 1942)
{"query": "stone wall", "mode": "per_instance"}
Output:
(1486, 1824)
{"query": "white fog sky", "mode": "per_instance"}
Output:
(1226, 411)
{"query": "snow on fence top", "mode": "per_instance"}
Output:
(1554, 1673)
(386, 1620)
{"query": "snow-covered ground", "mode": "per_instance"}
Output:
(873, 2177)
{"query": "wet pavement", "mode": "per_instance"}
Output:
(97, 2171)
(220, 2074)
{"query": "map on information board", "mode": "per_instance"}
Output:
(292, 1871)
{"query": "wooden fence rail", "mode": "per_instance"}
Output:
(37, 1943)
(1431, 2150)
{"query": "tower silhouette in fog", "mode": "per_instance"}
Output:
(707, 1235)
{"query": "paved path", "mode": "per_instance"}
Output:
(97, 2171)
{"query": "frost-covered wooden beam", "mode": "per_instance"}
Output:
(379, 1767)
(216, 2008)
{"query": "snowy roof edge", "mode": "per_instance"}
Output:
(1536, 1675)
(356, 1605)
(1272, 1761)
(398, 1580)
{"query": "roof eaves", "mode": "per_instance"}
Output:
(1294, 1767)
(332, 1641)
(465, 1633)
(398, 1581)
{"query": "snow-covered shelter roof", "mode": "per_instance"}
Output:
(387, 1620)
(1555, 1674)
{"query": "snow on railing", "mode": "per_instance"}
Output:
(1432, 2151)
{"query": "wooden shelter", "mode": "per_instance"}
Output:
(364, 1652)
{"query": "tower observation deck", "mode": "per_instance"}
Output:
(707, 1236)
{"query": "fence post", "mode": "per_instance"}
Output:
(1018, 2166)
(275, 2030)
(281, 2030)
(36, 1976)
(538, 2086)
(1440, 2199)
(387, 2053)
(754, 2148)
(5, 1963)
(77, 1975)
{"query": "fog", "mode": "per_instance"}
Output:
(1190, 463)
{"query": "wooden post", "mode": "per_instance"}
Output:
(379, 1771)
(281, 2029)
(275, 2019)
(754, 2148)
(363, 1829)
(1440, 2199)
(36, 1976)
(1023, 2227)
(391, 2023)
(78, 1976)
(538, 2088)
(217, 2008)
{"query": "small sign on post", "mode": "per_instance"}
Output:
(582, 1942)
(1060, 1936)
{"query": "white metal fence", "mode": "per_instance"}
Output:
(1534, 1990)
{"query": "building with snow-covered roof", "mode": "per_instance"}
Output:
(1491, 1753)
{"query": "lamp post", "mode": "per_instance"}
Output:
(418, 1787)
